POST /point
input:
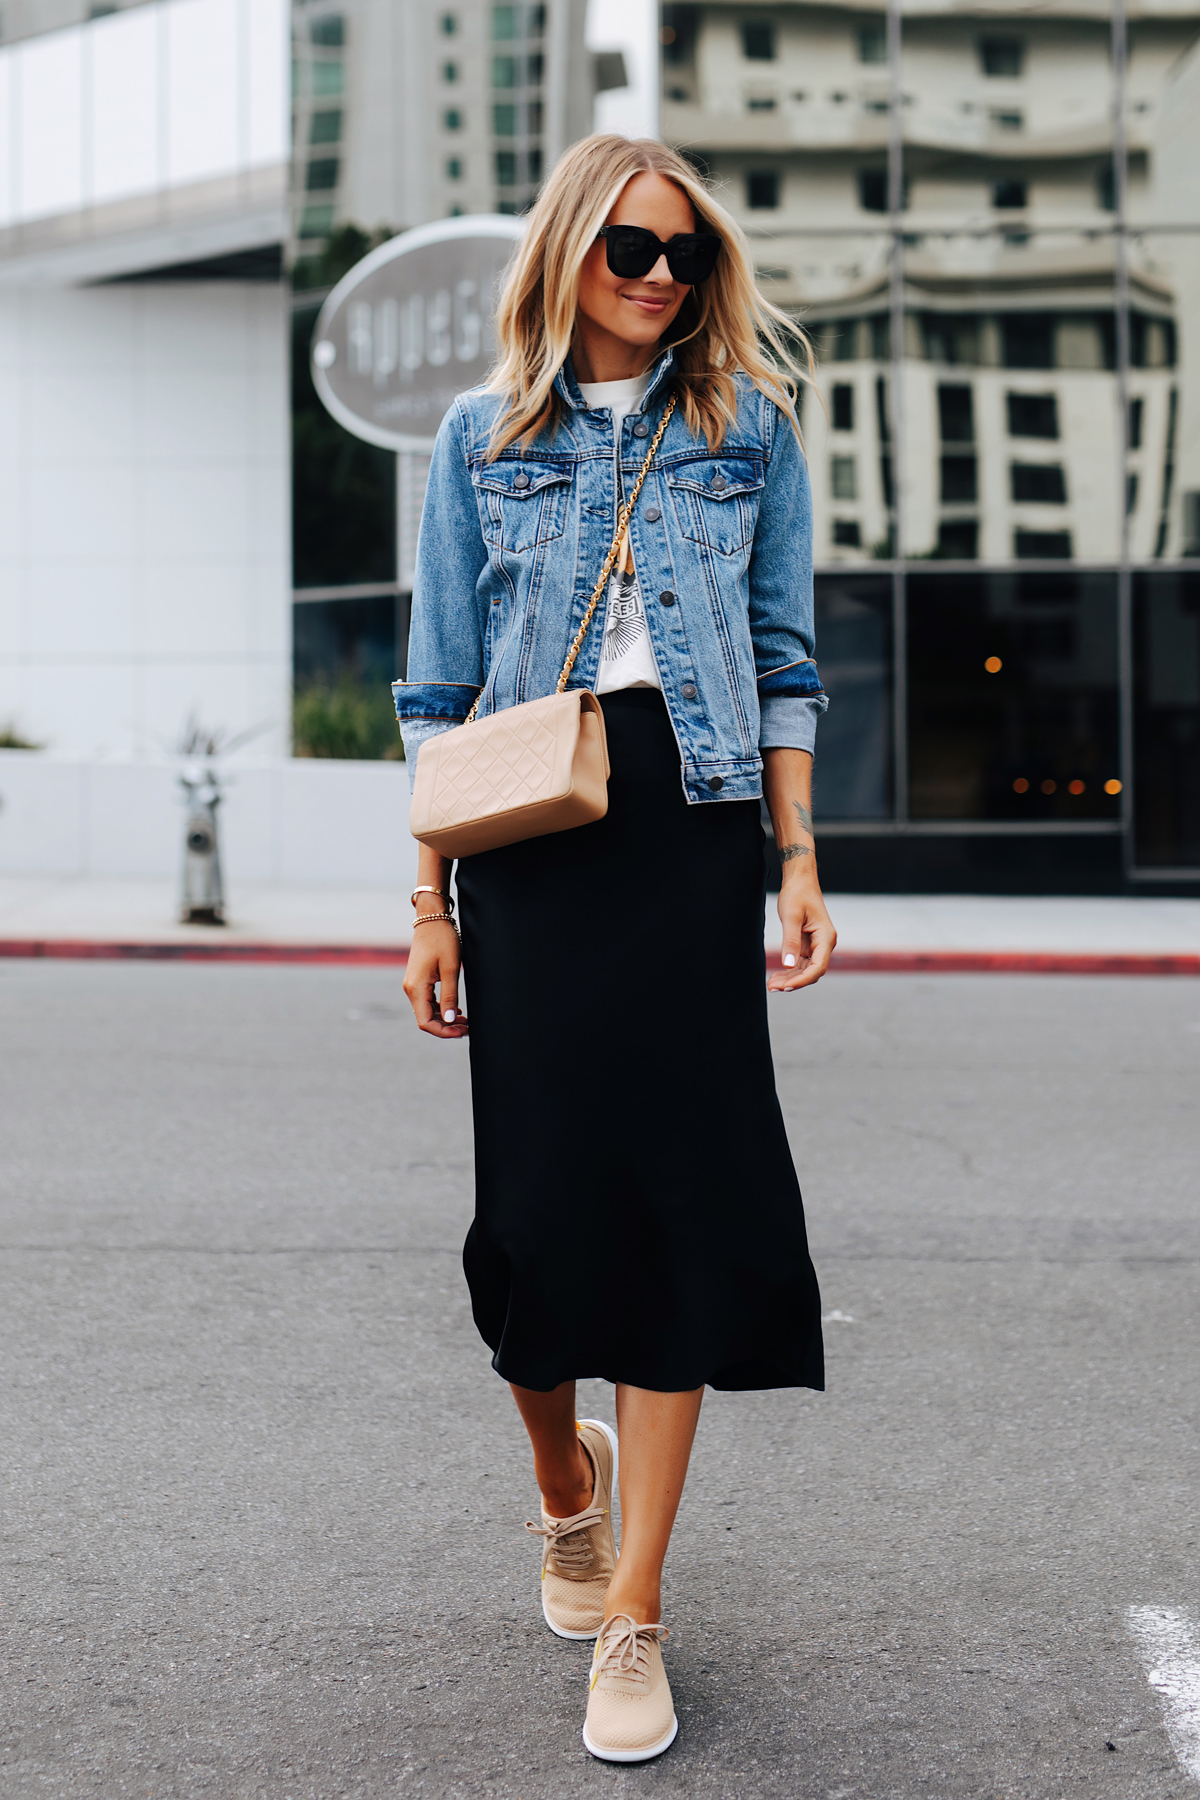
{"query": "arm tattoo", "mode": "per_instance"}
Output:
(787, 852)
(804, 816)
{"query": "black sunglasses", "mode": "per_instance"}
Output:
(632, 251)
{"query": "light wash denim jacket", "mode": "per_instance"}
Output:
(509, 552)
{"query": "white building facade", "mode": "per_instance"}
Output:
(144, 523)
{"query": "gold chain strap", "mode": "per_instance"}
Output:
(623, 518)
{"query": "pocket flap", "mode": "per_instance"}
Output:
(520, 480)
(717, 477)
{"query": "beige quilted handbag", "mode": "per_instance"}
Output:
(530, 769)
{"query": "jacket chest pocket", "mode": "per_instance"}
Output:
(716, 501)
(522, 504)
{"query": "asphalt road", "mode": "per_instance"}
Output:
(263, 1496)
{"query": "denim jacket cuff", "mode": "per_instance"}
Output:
(790, 724)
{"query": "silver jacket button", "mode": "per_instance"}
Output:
(521, 480)
(688, 690)
(652, 515)
(641, 429)
(718, 483)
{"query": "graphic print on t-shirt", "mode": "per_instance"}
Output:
(626, 621)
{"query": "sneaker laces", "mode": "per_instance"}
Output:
(623, 1649)
(567, 1543)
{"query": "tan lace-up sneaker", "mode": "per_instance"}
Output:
(630, 1715)
(580, 1552)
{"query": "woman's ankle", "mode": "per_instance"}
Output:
(640, 1602)
(568, 1491)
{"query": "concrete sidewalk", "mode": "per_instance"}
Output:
(55, 915)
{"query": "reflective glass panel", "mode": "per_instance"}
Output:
(1166, 665)
(1010, 400)
(852, 774)
(1163, 435)
(1012, 696)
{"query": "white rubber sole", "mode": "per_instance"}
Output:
(586, 1637)
(631, 1756)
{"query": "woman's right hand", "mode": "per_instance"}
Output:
(433, 964)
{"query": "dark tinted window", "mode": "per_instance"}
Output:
(958, 478)
(1001, 55)
(873, 190)
(956, 415)
(758, 40)
(958, 540)
(1034, 546)
(847, 533)
(329, 31)
(1039, 481)
(1028, 340)
(322, 174)
(1012, 696)
(762, 188)
(852, 777)
(1032, 415)
(1166, 730)
(1010, 193)
(843, 406)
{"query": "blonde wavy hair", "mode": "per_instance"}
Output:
(724, 325)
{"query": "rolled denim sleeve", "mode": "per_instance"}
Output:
(790, 696)
(445, 643)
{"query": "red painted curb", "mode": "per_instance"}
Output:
(847, 962)
(87, 949)
(1002, 962)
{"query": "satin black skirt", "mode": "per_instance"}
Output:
(637, 1212)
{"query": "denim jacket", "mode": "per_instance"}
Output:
(509, 552)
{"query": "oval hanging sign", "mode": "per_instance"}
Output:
(410, 328)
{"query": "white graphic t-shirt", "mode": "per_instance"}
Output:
(627, 657)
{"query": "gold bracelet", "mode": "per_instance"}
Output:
(440, 892)
(436, 918)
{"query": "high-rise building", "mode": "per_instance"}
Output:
(988, 220)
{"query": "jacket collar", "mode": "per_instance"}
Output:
(566, 384)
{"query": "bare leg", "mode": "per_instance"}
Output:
(655, 1432)
(561, 1464)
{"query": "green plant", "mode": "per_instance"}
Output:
(346, 718)
(11, 739)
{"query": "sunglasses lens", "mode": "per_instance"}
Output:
(631, 251)
(694, 259)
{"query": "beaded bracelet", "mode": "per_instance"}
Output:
(435, 918)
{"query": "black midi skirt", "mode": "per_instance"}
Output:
(637, 1211)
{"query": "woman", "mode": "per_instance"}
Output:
(637, 1212)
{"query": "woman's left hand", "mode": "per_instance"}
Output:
(808, 935)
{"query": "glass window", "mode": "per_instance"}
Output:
(316, 221)
(1166, 729)
(449, 24)
(1043, 483)
(1032, 415)
(873, 190)
(506, 168)
(504, 71)
(449, 71)
(1001, 55)
(843, 406)
(322, 174)
(847, 533)
(1013, 696)
(852, 773)
(762, 188)
(758, 40)
(504, 23)
(325, 127)
(454, 168)
(327, 79)
(844, 478)
(452, 119)
(959, 479)
(1010, 193)
(956, 413)
(504, 119)
(871, 37)
(328, 31)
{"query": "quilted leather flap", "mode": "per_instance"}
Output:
(519, 757)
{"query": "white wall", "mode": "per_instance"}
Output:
(144, 514)
(290, 820)
(161, 96)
